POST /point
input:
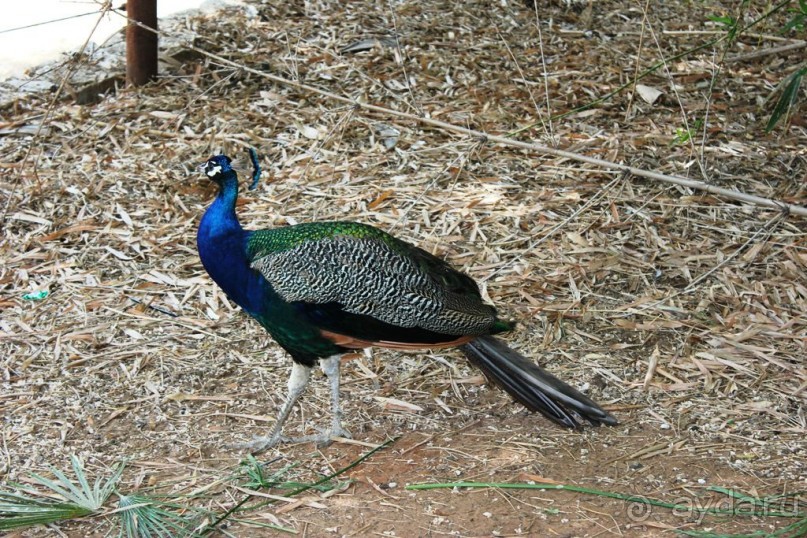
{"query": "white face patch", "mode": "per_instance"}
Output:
(212, 170)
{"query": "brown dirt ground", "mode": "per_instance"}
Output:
(683, 313)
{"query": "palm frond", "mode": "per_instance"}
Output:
(75, 498)
(18, 510)
(146, 517)
(81, 494)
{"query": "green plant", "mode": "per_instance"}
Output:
(684, 135)
(68, 498)
(142, 517)
(788, 89)
(799, 18)
(728, 23)
(146, 516)
(28, 507)
(787, 99)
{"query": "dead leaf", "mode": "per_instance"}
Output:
(648, 94)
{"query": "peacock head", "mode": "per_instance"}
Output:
(219, 164)
(216, 165)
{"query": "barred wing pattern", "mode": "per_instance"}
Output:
(367, 276)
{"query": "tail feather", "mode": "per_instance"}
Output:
(531, 386)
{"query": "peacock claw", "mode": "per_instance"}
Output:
(339, 431)
(259, 444)
(327, 436)
(324, 438)
(336, 430)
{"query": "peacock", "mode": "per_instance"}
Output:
(323, 289)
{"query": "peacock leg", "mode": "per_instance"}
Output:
(297, 382)
(331, 368)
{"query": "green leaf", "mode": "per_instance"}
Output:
(725, 21)
(78, 499)
(683, 135)
(788, 98)
(83, 495)
(18, 510)
(796, 23)
(145, 517)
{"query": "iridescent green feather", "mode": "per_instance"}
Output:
(263, 242)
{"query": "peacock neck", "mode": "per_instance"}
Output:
(220, 218)
(222, 248)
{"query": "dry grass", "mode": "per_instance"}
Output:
(684, 313)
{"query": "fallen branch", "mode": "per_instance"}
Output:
(767, 52)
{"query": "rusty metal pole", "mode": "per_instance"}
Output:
(141, 44)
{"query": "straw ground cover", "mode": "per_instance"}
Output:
(681, 312)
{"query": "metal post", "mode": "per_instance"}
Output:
(141, 44)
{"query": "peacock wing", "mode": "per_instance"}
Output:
(366, 272)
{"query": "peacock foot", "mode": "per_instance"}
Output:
(325, 436)
(322, 439)
(338, 431)
(259, 444)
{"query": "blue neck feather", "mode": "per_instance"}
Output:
(220, 218)
(222, 242)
